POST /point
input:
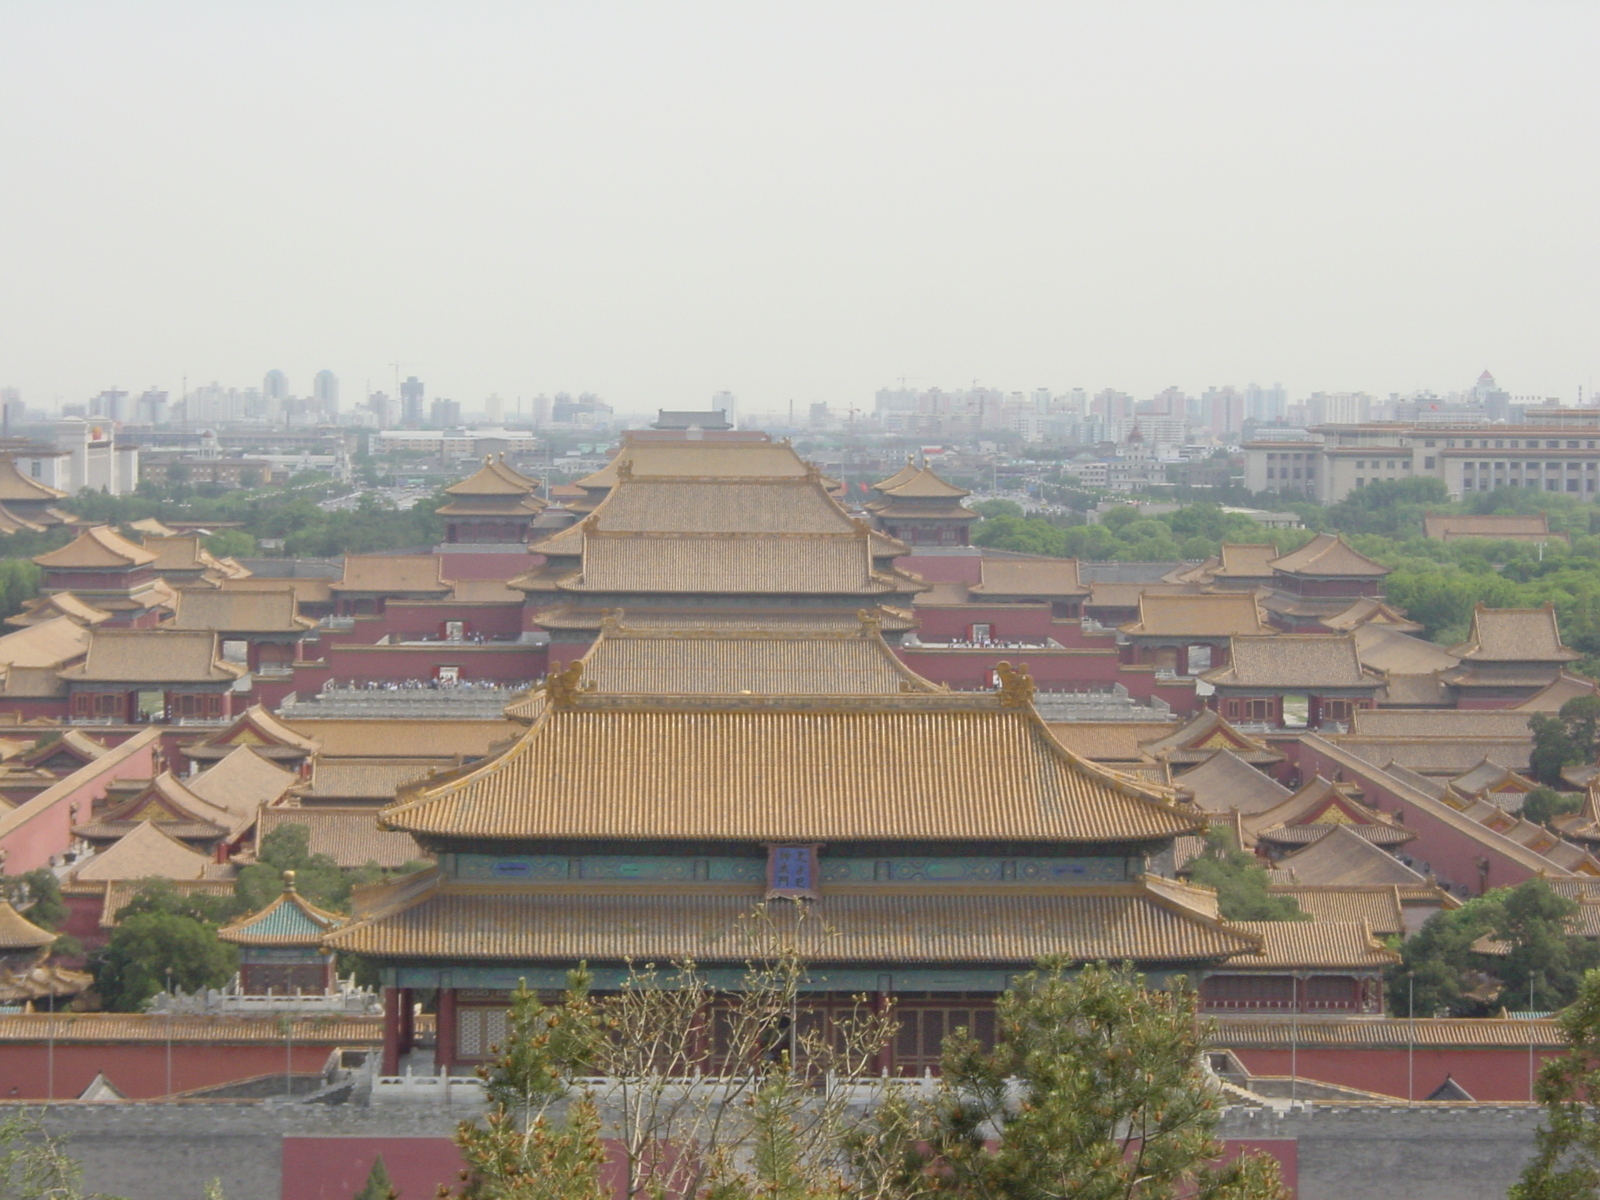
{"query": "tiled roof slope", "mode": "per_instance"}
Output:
(19, 933)
(153, 656)
(97, 546)
(1376, 904)
(1439, 723)
(1290, 660)
(1046, 577)
(1218, 614)
(349, 836)
(1328, 555)
(145, 852)
(47, 644)
(1343, 856)
(1110, 921)
(699, 661)
(253, 611)
(1225, 782)
(14, 485)
(923, 484)
(1514, 635)
(1321, 945)
(391, 573)
(241, 782)
(935, 767)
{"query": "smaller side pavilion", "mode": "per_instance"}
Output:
(280, 947)
(1510, 655)
(494, 507)
(1322, 578)
(920, 509)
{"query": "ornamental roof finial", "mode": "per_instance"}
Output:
(1016, 687)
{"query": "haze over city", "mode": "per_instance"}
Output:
(807, 203)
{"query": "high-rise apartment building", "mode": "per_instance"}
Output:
(275, 387)
(325, 391)
(411, 393)
(445, 414)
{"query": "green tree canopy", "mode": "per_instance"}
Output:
(148, 948)
(1241, 881)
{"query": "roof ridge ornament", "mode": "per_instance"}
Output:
(562, 686)
(1016, 687)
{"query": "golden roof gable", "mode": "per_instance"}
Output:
(14, 485)
(99, 546)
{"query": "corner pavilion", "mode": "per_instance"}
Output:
(916, 844)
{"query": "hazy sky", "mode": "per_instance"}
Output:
(655, 201)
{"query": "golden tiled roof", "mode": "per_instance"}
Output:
(254, 611)
(484, 591)
(1514, 635)
(1566, 687)
(10, 522)
(153, 527)
(494, 478)
(936, 767)
(1379, 905)
(1249, 560)
(1214, 614)
(366, 779)
(14, 485)
(153, 656)
(241, 782)
(256, 727)
(97, 546)
(155, 1028)
(1106, 741)
(1369, 611)
(19, 933)
(1328, 555)
(1293, 660)
(733, 505)
(58, 604)
(1343, 856)
(1280, 1031)
(306, 591)
(144, 853)
(1110, 921)
(1315, 945)
(1454, 724)
(180, 812)
(1225, 782)
(349, 836)
(762, 662)
(48, 644)
(923, 484)
(904, 473)
(1395, 653)
(1201, 736)
(1044, 577)
(1115, 594)
(355, 738)
(1524, 527)
(179, 552)
(801, 565)
(391, 573)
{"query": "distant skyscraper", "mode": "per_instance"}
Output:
(275, 386)
(411, 413)
(325, 391)
(382, 408)
(446, 413)
(494, 410)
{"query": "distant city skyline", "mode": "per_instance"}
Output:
(798, 202)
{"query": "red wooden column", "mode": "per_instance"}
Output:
(444, 1054)
(391, 1031)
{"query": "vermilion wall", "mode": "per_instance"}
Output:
(139, 1069)
(1498, 1073)
(469, 564)
(411, 620)
(42, 827)
(1452, 854)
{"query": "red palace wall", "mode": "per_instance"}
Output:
(139, 1069)
(1497, 1073)
(411, 619)
(1452, 855)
